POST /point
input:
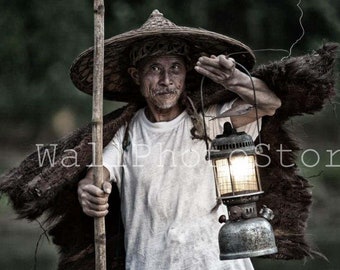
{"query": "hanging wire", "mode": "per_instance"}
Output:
(260, 50)
(204, 123)
(44, 233)
(255, 104)
(302, 33)
(289, 52)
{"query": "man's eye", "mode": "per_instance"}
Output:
(176, 67)
(155, 68)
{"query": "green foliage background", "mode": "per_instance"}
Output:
(38, 104)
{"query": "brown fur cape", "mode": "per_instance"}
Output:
(302, 83)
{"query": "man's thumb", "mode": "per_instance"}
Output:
(107, 187)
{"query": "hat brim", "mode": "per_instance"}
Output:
(118, 85)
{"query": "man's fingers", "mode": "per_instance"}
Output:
(219, 69)
(93, 199)
(97, 214)
(228, 63)
(204, 60)
(96, 191)
(205, 72)
(95, 207)
(217, 62)
(211, 69)
(93, 190)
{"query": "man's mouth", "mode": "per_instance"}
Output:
(166, 92)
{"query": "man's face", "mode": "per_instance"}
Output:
(162, 80)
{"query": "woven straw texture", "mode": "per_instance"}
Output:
(117, 83)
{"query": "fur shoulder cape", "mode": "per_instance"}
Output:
(302, 83)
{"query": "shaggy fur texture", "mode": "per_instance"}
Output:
(303, 85)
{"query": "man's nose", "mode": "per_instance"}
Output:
(166, 79)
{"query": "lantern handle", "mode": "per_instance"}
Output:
(259, 146)
(207, 157)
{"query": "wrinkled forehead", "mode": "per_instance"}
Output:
(152, 48)
(162, 60)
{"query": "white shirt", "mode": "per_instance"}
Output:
(167, 192)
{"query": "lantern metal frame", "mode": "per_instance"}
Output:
(232, 144)
(244, 234)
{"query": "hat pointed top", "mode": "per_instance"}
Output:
(156, 13)
(156, 21)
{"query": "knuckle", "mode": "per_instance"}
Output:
(101, 201)
(98, 193)
(102, 208)
(91, 213)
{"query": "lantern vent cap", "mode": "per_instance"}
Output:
(232, 143)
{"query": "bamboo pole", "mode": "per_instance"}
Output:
(97, 127)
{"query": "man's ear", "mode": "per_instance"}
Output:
(134, 74)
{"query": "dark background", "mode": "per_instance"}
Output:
(38, 104)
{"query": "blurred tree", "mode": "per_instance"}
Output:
(39, 39)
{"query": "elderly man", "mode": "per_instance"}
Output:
(155, 150)
(166, 185)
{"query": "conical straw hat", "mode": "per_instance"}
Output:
(117, 82)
